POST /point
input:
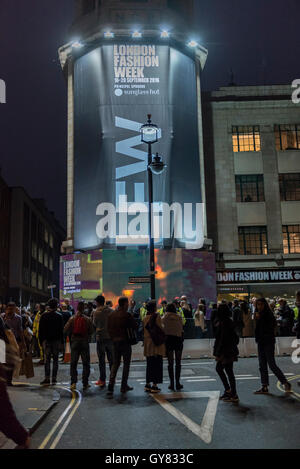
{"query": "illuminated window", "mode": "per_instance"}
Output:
(253, 240)
(50, 263)
(250, 188)
(289, 186)
(291, 239)
(246, 138)
(287, 137)
(46, 236)
(46, 260)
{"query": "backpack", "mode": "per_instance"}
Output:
(80, 328)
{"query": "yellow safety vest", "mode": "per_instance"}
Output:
(296, 311)
(180, 312)
(161, 312)
(143, 313)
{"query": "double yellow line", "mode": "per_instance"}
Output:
(64, 419)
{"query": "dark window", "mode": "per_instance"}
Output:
(246, 138)
(88, 6)
(287, 137)
(253, 240)
(26, 238)
(291, 239)
(289, 186)
(250, 188)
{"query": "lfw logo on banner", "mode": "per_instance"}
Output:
(131, 226)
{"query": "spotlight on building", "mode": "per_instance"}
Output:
(164, 34)
(109, 35)
(77, 45)
(136, 34)
(193, 44)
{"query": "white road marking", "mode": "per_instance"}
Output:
(200, 380)
(203, 431)
(252, 377)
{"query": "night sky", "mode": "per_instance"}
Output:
(259, 40)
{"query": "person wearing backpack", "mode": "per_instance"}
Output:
(226, 352)
(154, 347)
(80, 328)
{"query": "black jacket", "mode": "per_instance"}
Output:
(51, 327)
(265, 328)
(226, 340)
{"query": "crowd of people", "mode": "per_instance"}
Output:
(161, 328)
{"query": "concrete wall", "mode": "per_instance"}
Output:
(251, 214)
(290, 213)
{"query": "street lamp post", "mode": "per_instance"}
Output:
(149, 134)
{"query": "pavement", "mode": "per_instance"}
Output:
(192, 419)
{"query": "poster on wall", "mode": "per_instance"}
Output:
(115, 87)
(81, 276)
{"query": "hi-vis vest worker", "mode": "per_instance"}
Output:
(296, 311)
(180, 312)
(162, 310)
(143, 312)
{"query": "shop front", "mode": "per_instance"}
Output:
(268, 283)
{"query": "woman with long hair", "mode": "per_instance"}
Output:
(265, 339)
(153, 353)
(226, 352)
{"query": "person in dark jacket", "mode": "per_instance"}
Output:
(237, 317)
(51, 336)
(213, 318)
(118, 323)
(226, 352)
(287, 318)
(104, 342)
(265, 339)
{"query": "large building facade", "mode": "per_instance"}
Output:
(127, 60)
(33, 250)
(236, 150)
(4, 237)
(252, 153)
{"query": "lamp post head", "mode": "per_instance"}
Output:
(149, 132)
(157, 166)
